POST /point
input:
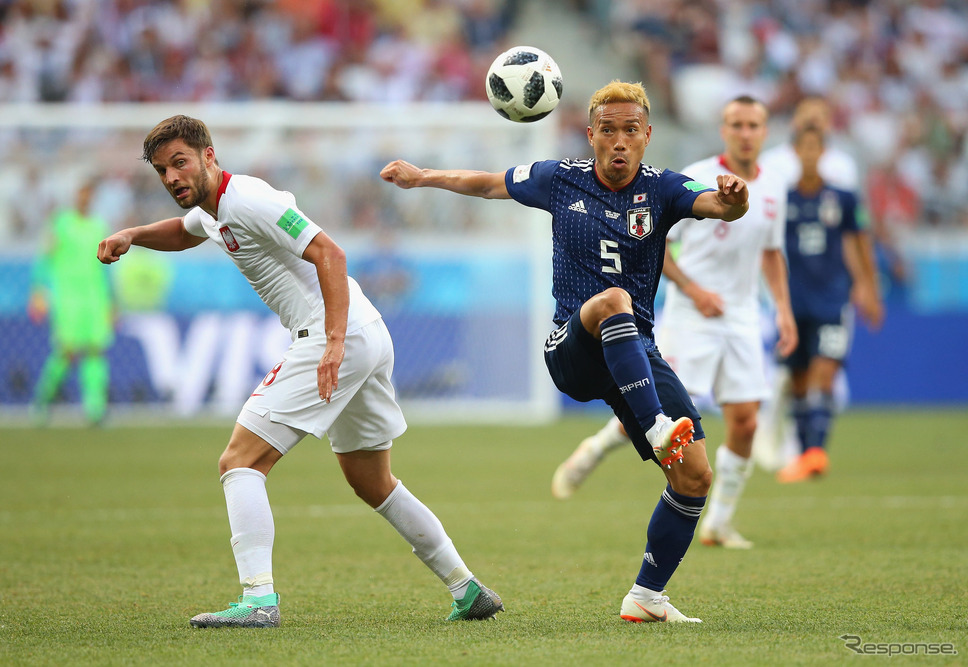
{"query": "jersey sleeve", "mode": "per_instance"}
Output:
(679, 229)
(680, 192)
(192, 222)
(854, 220)
(273, 215)
(530, 184)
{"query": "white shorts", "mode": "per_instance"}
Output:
(362, 414)
(724, 358)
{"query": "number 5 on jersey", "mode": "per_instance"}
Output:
(610, 254)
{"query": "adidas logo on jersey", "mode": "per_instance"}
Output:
(578, 207)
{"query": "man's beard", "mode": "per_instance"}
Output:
(202, 187)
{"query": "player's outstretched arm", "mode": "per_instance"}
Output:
(462, 181)
(730, 202)
(167, 235)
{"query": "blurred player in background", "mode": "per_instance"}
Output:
(710, 332)
(334, 380)
(775, 440)
(838, 167)
(72, 290)
(830, 267)
(610, 217)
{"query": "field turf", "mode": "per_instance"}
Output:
(112, 538)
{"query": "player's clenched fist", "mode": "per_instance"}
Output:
(401, 173)
(110, 249)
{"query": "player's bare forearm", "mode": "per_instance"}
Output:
(774, 270)
(330, 262)
(865, 292)
(167, 235)
(483, 184)
(860, 269)
(868, 258)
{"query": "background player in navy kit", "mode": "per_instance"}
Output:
(610, 217)
(828, 270)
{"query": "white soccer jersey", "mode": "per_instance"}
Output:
(837, 167)
(726, 257)
(265, 234)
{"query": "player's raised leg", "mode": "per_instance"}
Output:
(608, 315)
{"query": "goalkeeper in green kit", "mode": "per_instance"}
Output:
(71, 288)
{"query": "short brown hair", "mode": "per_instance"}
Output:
(190, 130)
(618, 91)
(748, 100)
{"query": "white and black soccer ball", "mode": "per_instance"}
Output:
(524, 84)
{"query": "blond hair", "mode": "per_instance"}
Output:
(618, 91)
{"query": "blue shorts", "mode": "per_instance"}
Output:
(828, 338)
(577, 366)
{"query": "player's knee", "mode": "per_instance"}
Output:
(745, 427)
(603, 305)
(235, 456)
(372, 491)
(615, 300)
(227, 461)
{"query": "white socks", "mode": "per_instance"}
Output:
(652, 435)
(612, 436)
(253, 531)
(643, 593)
(732, 471)
(423, 531)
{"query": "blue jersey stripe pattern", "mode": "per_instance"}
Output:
(604, 238)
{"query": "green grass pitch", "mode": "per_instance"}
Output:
(113, 538)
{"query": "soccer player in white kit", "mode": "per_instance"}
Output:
(334, 379)
(710, 332)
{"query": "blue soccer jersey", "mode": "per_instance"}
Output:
(816, 223)
(604, 238)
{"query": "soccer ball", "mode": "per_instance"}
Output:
(523, 84)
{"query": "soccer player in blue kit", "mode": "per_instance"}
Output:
(610, 217)
(829, 269)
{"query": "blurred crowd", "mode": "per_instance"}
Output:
(894, 71)
(232, 50)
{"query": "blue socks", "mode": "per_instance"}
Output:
(813, 415)
(670, 533)
(629, 365)
(674, 520)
